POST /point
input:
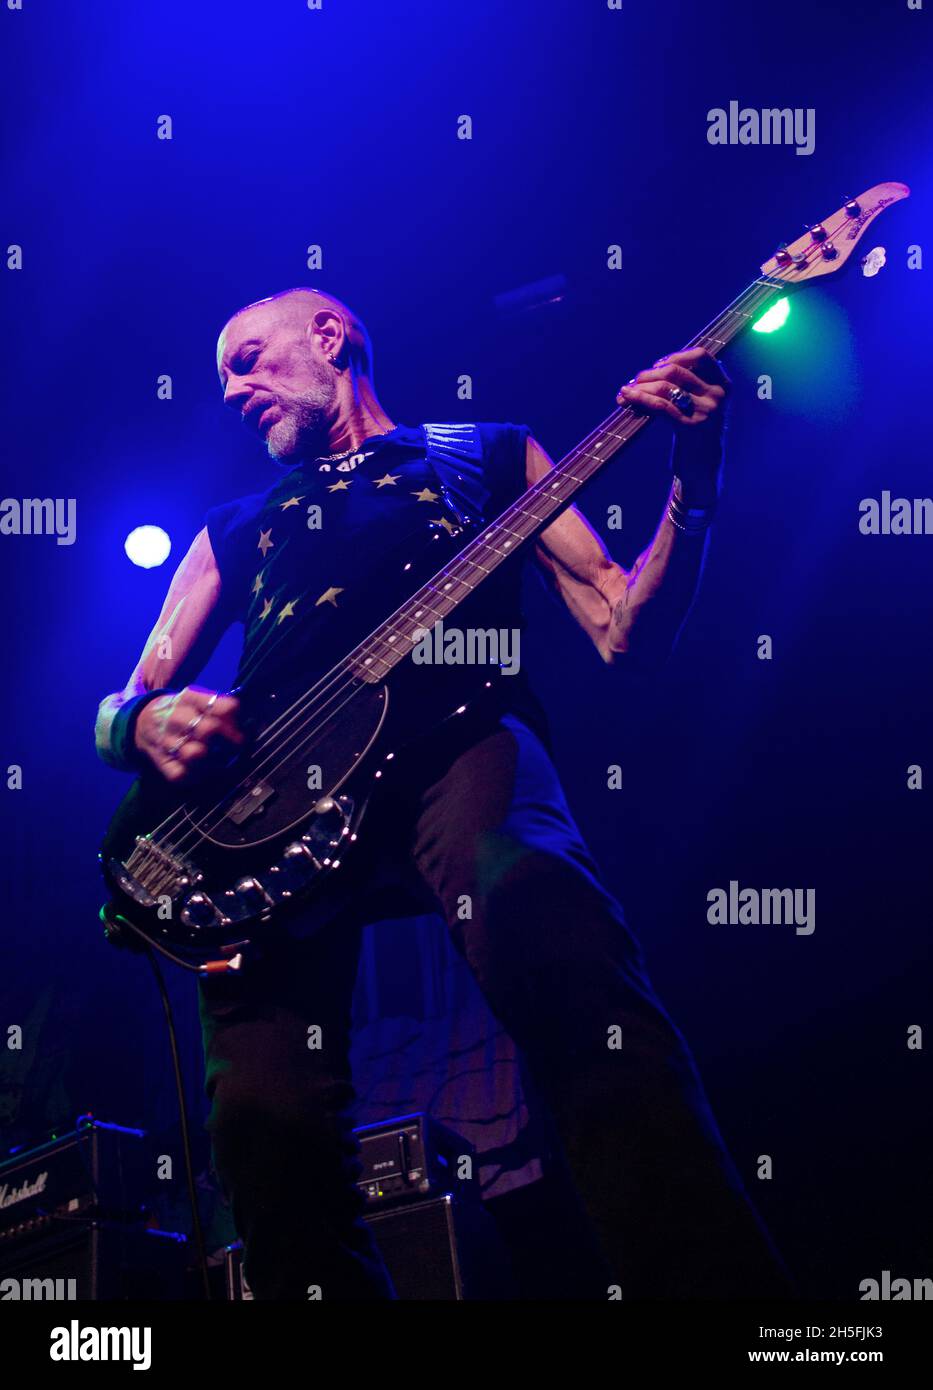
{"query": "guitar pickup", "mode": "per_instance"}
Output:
(250, 802)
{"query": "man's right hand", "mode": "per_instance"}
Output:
(176, 731)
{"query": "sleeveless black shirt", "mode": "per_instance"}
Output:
(313, 564)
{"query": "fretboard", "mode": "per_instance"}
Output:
(525, 518)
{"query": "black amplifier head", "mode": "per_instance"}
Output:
(87, 1170)
(414, 1157)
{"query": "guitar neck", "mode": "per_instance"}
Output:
(525, 518)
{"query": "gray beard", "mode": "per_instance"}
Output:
(303, 431)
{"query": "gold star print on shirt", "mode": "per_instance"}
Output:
(328, 596)
(380, 525)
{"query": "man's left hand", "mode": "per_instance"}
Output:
(697, 456)
(696, 374)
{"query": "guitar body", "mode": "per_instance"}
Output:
(223, 862)
(206, 868)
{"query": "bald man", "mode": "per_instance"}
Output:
(477, 815)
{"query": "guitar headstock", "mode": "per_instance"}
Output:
(827, 246)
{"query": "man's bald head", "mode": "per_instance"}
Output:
(298, 307)
(292, 364)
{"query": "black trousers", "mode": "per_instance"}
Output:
(481, 826)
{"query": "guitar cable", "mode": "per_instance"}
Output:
(146, 946)
(196, 1227)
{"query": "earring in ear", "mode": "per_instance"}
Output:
(333, 363)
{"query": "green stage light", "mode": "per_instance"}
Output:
(773, 318)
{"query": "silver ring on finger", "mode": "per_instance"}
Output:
(682, 399)
(192, 725)
(176, 747)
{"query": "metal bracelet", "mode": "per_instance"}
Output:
(693, 521)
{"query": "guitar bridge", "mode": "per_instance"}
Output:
(151, 872)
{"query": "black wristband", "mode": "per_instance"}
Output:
(123, 751)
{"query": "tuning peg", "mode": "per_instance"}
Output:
(818, 231)
(829, 252)
(782, 255)
(852, 208)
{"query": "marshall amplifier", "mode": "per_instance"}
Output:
(93, 1169)
(411, 1158)
(70, 1223)
(95, 1260)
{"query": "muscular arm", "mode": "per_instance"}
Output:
(640, 611)
(637, 611)
(186, 632)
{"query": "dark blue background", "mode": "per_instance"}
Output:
(338, 127)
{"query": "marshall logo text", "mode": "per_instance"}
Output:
(10, 1195)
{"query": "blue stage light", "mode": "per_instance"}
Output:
(148, 546)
